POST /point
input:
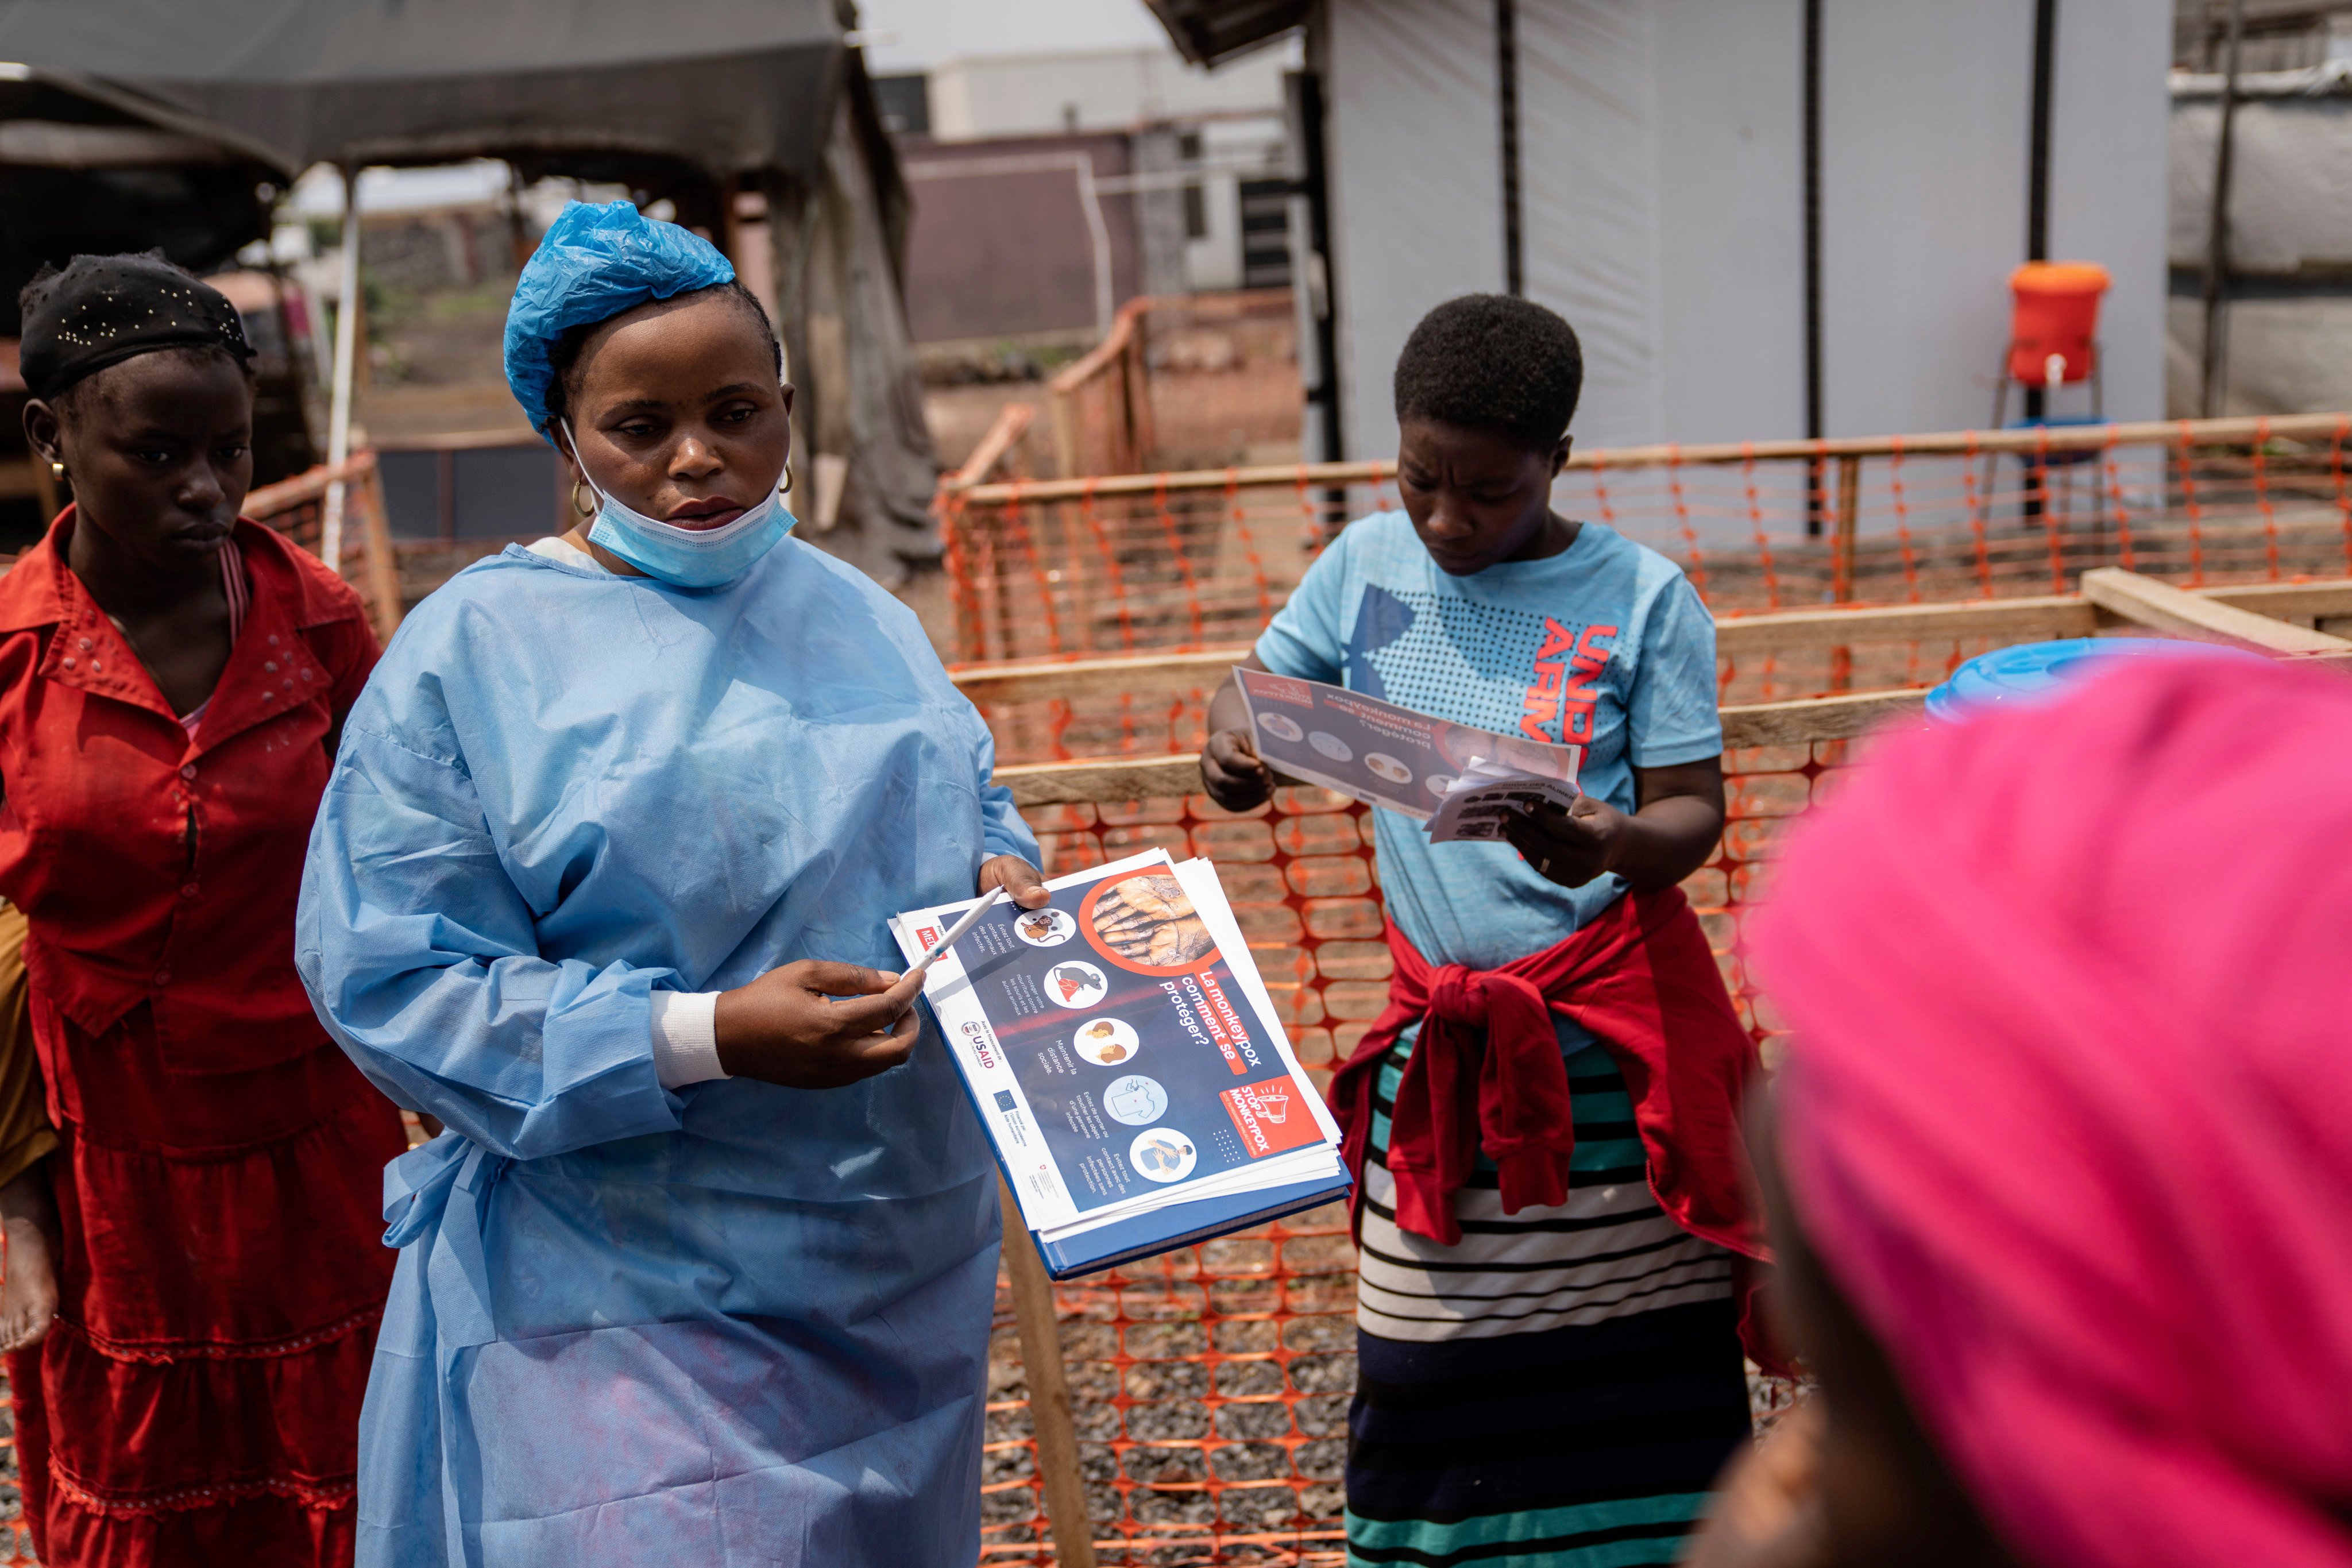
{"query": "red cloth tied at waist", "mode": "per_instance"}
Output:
(1486, 1072)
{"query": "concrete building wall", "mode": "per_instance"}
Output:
(1002, 254)
(1031, 95)
(1232, 151)
(1006, 250)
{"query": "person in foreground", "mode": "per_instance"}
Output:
(1555, 1213)
(703, 1268)
(2063, 1166)
(172, 677)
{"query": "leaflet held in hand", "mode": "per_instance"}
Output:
(1127, 1062)
(1460, 780)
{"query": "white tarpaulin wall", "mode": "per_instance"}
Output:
(1662, 207)
(2288, 338)
(2291, 180)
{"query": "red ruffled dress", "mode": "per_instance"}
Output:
(219, 1172)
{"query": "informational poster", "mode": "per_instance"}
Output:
(1396, 758)
(1122, 1045)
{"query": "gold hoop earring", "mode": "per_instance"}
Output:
(57, 471)
(586, 509)
(786, 487)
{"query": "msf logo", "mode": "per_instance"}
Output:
(1559, 703)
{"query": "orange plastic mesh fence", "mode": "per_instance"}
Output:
(1041, 570)
(1211, 1386)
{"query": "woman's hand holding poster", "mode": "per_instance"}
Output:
(1121, 1048)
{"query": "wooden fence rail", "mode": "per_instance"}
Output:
(1130, 563)
(2103, 606)
(1942, 443)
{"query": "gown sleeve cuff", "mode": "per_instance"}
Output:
(686, 1037)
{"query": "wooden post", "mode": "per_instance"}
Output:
(1842, 557)
(991, 588)
(1128, 431)
(1065, 433)
(383, 568)
(1147, 434)
(350, 350)
(2215, 368)
(1049, 1392)
(1842, 563)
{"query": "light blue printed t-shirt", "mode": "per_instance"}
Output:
(1604, 646)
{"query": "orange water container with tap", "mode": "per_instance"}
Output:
(2054, 327)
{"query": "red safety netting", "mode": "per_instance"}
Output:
(1145, 564)
(1212, 1385)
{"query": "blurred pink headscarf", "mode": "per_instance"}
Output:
(2068, 1115)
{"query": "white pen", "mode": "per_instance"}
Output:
(957, 930)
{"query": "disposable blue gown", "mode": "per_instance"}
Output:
(736, 1324)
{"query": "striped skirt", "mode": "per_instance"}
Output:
(1561, 1388)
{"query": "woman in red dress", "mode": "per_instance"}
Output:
(173, 679)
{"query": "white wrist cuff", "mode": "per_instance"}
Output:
(686, 1037)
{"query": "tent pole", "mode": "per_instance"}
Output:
(2216, 237)
(1319, 278)
(1813, 161)
(2037, 172)
(1507, 96)
(338, 418)
(1098, 239)
(2045, 70)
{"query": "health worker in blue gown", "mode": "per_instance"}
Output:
(702, 1267)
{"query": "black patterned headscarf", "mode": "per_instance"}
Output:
(103, 310)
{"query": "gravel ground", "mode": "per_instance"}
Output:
(1169, 1405)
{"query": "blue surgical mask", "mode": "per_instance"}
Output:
(687, 557)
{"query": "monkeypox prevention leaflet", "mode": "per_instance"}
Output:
(1396, 758)
(1120, 1047)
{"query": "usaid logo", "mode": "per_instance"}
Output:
(977, 1033)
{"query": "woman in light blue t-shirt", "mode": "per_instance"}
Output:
(1561, 1379)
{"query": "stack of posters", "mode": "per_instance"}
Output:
(1458, 779)
(1127, 1063)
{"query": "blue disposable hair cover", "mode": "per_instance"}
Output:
(595, 262)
